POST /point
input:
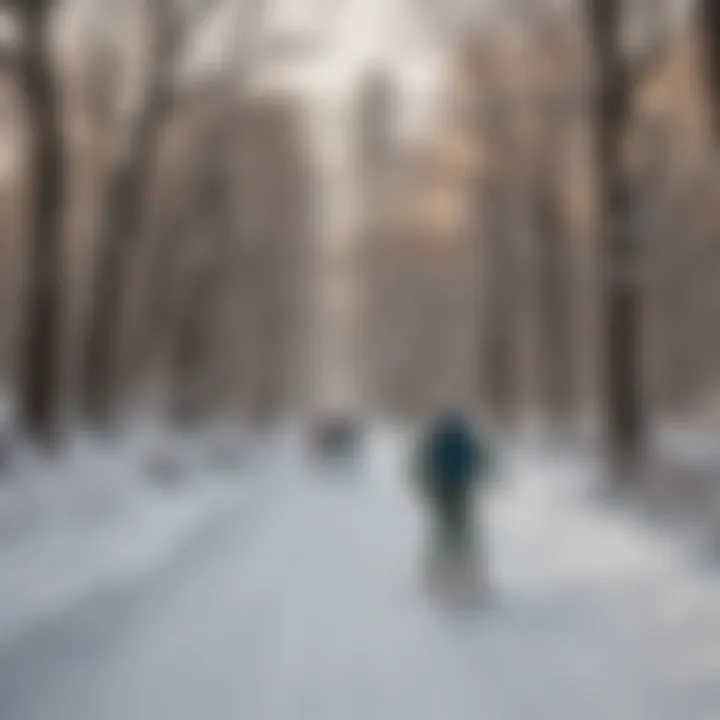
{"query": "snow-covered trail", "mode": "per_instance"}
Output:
(303, 600)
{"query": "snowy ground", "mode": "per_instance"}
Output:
(299, 595)
(98, 514)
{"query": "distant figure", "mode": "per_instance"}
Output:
(453, 461)
(336, 437)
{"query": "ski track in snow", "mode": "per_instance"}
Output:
(301, 598)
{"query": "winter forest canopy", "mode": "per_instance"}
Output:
(262, 208)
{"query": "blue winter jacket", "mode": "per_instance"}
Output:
(453, 457)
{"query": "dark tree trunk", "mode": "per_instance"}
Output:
(39, 387)
(121, 231)
(118, 238)
(621, 300)
(710, 28)
(192, 345)
(272, 338)
(556, 366)
(499, 337)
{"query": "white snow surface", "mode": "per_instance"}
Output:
(300, 597)
(95, 516)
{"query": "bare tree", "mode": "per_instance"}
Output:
(275, 251)
(493, 119)
(121, 225)
(555, 93)
(374, 142)
(190, 107)
(123, 221)
(207, 276)
(499, 326)
(554, 268)
(710, 29)
(621, 238)
(39, 388)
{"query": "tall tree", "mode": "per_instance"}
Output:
(39, 387)
(556, 356)
(555, 93)
(121, 233)
(374, 143)
(621, 229)
(122, 222)
(710, 29)
(192, 345)
(227, 84)
(492, 116)
(499, 265)
(619, 245)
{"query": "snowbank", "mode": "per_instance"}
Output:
(102, 513)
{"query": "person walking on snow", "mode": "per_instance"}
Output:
(454, 462)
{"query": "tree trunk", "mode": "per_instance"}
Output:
(121, 231)
(710, 29)
(193, 387)
(189, 400)
(621, 301)
(499, 340)
(556, 366)
(39, 388)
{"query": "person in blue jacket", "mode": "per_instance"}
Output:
(454, 460)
